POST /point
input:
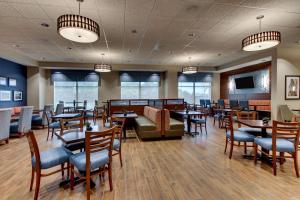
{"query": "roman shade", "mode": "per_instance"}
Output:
(75, 75)
(197, 77)
(138, 76)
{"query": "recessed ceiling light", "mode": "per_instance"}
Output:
(219, 54)
(129, 50)
(45, 25)
(171, 52)
(192, 34)
(16, 45)
(134, 31)
(69, 48)
(128, 61)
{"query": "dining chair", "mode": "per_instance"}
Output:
(218, 115)
(248, 115)
(51, 124)
(71, 125)
(5, 117)
(244, 105)
(201, 120)
(96, 160)
(233, 104)
(285, 139)
(47, 108)
(59, 109)
(202, 102)
(117, 144)
(287, 114)
(221, 103)
(235, 136)
(23, 125)
(45, 160)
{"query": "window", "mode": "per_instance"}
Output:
(139, 90)
(192, 92)
(68, 91)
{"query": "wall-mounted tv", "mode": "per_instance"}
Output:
(244, 82)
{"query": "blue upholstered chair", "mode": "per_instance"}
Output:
(37, 121)
(5, 117)
(285, 139)
(96, 159)
(45, 160)
(248, 115)
(235, 136)
(221, 103)
(117, 144)
(202, 102)
(59, 109)
(207, 103)
(23, 125)
(52, 125)
(244, 105)
(233, 104)
(201, 120)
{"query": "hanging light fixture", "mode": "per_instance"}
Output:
(189, 69)
(78, 28)
(102, 67)
(261, 40)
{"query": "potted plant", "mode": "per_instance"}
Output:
(88, 126)
(266, 120)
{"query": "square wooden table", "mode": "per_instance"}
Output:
(132, 115)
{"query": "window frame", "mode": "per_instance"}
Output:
(194, 89)
(140, 87)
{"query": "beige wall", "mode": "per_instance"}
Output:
(215, 87)
(33, 86)
(286, 64)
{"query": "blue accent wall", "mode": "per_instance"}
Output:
(10, 69)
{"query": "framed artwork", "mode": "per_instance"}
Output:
(18, 96)
(3, 80)
(5, 95)
(292, 88)
(12, 82)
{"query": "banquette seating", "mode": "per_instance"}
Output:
(157, 123)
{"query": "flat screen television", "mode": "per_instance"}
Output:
(244, 82)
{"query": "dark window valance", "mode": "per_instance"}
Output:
(135, 76)
(197, 77)
(75, 75)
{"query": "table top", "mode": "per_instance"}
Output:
(129, 115)
(66, 115)
(191, 112)
(74, 136)
(255, 123)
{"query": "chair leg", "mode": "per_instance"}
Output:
(296, 164)
(255, 153)
(48, 133)
(62, 171)
(274, 163)
(226, 145)
(7, 141)
(205, 129)
(245, 147)
(110, 176)
(72, 177)
(37, 184)
(281, 158)
(231, 149)
(52, 133)
(214, 121)
(201, 128)
(32, 178)
(68, 169)
(88, 187)
(120, 156)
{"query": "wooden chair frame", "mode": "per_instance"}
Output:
(34, 151)
(284, 130)
(64, 124)
(229, 126)
(247, 115)
(95, 142)
(118, 134)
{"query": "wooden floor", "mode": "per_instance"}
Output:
(187, 169)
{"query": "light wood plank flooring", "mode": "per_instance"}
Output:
(187, 169)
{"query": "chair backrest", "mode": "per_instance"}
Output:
(207, 103)
(46, 108)
(96, 142)
(104, 118)
(286, 113)
(250, 115)
(59, 109)
(286, 130)
(233, 103)
(244, 104)
(24, 124)
(62, 102)
(34, 149)
(49, 115)
(120, 124)
(205, 112)
(202, 102)
(85, 104)
(221, 103)
(71, 124)
(5, 117)
(229, 125)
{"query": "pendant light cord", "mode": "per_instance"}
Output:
(79, 7)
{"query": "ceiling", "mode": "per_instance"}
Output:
(168, 31)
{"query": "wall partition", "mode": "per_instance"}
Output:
(78, 85)
(193, 87)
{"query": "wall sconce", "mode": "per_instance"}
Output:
(265, 82)
(231, 85)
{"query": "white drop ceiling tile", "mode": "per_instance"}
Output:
(217, 12)
(30, 10)
(61, 3)
(168, 8)
(22, 1)
(7, 10)
(55, 11)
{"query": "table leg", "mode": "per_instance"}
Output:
(124, 131)
(188, 121)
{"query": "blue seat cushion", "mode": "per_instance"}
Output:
(89, 115)
(282, 145)
(98, 159)
(241, 136)
(54, 125)
(198, 121)
(14, 127)
(253, 131)
(53, 157)
(116, 144)
(37, 120)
